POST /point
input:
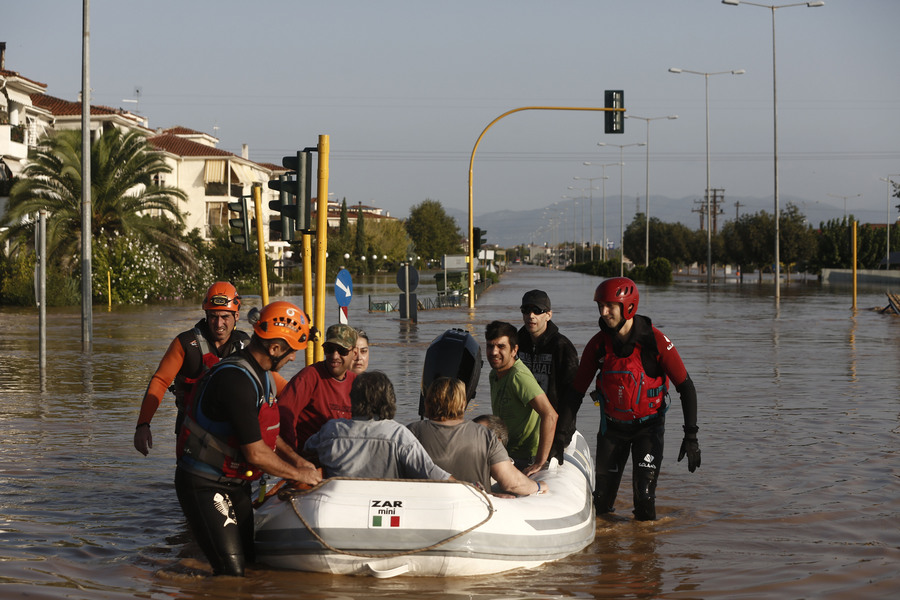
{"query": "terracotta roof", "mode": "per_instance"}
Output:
(179, 130)
(65, 108)
(6, 73)
(183, 147)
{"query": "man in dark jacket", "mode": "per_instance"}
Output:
(553, 361)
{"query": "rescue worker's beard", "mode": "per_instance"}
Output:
(611, 330)
(276, 362)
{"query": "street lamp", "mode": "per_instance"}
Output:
(603, 177)
(844, 198)
(647, 179)
(591, 205)
(574, 200)
(887, 206)
(591, 181)
(708, 186)
(621, 148)
(775, 127)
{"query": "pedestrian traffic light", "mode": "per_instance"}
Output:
(615, 119)
(241, 225)
(476, 240)
(295, 195)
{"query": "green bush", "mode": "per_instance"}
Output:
(134, 272)
(17, 281)
(659, 271)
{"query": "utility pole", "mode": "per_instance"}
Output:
(718, 196)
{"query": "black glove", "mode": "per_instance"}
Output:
(691, 448)
(557, 450)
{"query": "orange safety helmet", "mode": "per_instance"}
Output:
(222, 296)
(621, 290)
(283, 320)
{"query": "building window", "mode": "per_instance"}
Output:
(217, 215)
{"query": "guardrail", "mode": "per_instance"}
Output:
(382, 304)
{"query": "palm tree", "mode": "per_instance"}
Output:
(124, 194)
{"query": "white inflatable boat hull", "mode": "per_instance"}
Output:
(429, 528)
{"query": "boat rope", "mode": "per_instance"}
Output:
(290, 495)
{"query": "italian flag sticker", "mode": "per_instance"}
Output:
(382, 521)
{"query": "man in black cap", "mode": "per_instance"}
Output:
(553, 361)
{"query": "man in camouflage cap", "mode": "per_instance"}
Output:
(321, 391)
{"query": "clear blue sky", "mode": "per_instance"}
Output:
(404, 87)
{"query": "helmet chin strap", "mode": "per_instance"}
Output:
(277, 361)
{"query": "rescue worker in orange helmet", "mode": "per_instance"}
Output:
(229, 437)
(633, 361)
(190, 355)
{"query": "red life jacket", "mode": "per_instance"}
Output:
(210, 448)
(184, 387)
(629, 394)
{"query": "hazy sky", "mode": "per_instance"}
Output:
(404, 88)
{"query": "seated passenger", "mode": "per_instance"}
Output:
(495, 424)
(468, 450)
(372, 444)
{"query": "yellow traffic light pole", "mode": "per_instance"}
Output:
(307, 289)
(260, 243)
(472, 167)
(321, 242)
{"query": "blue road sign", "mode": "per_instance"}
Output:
(343, 288)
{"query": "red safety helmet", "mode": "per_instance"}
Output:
(621, 290)
(222, 296)
(283, 320)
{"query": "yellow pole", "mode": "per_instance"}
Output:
(307, 290)
(260, 243)
(321, 240)
(472, 167)
(853, 244)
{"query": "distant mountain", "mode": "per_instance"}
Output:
(508, 228)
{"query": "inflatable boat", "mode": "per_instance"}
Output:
(386, 528)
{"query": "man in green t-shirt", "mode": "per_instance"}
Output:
(517, 398)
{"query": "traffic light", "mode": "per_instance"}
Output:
(477, 239)
(615, 119)
(241, 225)
(295, 195)
(286, 208)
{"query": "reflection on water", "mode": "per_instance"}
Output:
(797, 495)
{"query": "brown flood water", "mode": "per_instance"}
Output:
(798, 495)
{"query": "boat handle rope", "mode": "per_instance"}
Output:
(290, 495)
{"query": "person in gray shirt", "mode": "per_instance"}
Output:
(471, 452)
(371, 444)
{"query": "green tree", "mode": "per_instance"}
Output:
(124, 192)
(344, 228)
(432, 230)
(672, 241)
(389, 238)
(798, 247)
(361, 248)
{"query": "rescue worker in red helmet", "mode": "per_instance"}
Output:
(230, 437)
(190, 354)
(633, 361)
